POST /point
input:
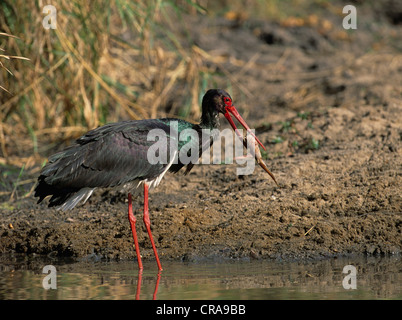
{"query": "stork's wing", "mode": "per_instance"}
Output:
(108, 156)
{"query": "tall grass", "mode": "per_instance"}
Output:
(105, 61)
(5, 56)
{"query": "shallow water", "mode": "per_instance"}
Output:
(376, 278)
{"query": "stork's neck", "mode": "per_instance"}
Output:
(210, 120)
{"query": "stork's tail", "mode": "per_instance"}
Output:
(65, 198)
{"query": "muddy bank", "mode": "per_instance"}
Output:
(326, 103)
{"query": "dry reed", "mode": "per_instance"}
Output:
(105, 61)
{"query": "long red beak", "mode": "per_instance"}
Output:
(230, 108)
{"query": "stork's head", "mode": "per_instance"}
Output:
(217, 101)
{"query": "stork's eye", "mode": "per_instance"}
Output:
(228, 102)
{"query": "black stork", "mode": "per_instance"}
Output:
(115, 155)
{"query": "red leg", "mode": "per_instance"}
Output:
(133, 220)
(137, 295)
(148, 225)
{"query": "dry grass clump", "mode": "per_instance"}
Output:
(105, 61)
(4, 56)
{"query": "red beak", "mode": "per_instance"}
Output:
(230, 108)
